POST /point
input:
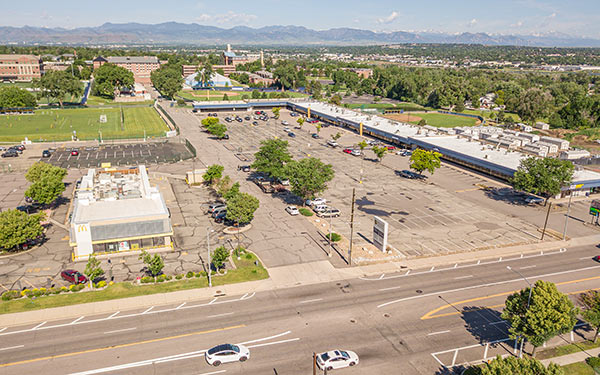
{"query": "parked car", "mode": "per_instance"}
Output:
(347, 150)
(390, 148)
(195, 110)
(16, 149)
(332, 143)
(355, 152)
(315, 136)
(286, 129)
(404, 152)
(226, 353)
(292, 210)
(214, 206)
(218, 212)
(319, 207)
(313, 202)
(10, 154)
(220, 216)
(312, 121)
(291, 134)
(293, 114)
(244, 168)
(74, 153)
(225, 136)
(336, 359)
(284, 122)
(534, 200)
(284, 182)
(597, 258)
(329, 212)
(247, 118)
(408, 174)
(254, 123)
(73, 277)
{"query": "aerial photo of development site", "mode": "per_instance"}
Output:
(300, 188)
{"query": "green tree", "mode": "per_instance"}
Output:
(336, 136)
(154, 263)
(219, 256)
(517, 366)
(362, 145)
(300, 121)
(167, 80)
(223, 185)
(93, 269)
(110, 78)
(423, 160)
(86, 73)
(550, 313)
(58, 84)
(16, 227)
(590, 301)
(255, 94)
(276, 112)
(543, 176)
(336, 99)
(272, 157)
(380, 151)
(225, 97)
(318, 127)
(45, 190)
(209, 121)
(40, 169)
(213, 173)
(14, 97)
(232, 192)
(534, 104)
(308, 177)
(241, 208)
(218, 130)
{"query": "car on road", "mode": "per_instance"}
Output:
(408, 174)
(74, 152)
(329, 212)
(292, 210)
(336, 359)
(332, 143)
(10, 154)
(534, 200)
(73, 276)
(244, 168)
(291, 134)
(355, 152)
(315, 136)
(226, 353)
(316, 201)
(347, 150)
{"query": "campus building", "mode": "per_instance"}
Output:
(117, 210)
(231, 58)
(20, 67)
(187, 70)
(140, 66)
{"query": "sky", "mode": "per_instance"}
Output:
(579, 18)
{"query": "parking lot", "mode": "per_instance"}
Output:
(425, 218)
(119, 154)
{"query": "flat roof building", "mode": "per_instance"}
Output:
(20, 67)
(118, 210)
(140, 66)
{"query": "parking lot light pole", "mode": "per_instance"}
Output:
(209, 230)
(528, 301)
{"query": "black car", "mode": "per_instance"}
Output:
(220, 217)
(10, 154)
(15, 149)
(291, 134)
(254, 122)
(244, 168)
(315, 136)
(225, 136)
(46, 153)
(293, 114)
(238, 119)
(195, 110)
(247, 118)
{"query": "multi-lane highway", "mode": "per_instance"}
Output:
(409, 323)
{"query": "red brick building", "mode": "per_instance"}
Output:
(140, 66)
(20, 67)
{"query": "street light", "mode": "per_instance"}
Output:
(209, 230)
(528, 300)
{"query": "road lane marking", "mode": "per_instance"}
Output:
(273, 343)
(148, 309)
(64, 355)
(528, 267)
(498, 322)
(311, 300)
(39, 325)
(437, 333)
(78, 319)
(585, 258)
(224, 314)
(213, 372)
(113, 315)
(12, 347)
(180, 306)
(481, 285)
(213, 301)
(266, 338)
(463, 277)
(2, 330)
(120, 330)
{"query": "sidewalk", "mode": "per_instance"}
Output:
(572, 358)
(284, 277)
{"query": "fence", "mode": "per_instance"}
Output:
(190, 147)
(164, 113)
(463, 114)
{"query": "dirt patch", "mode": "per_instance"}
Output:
(403, 117)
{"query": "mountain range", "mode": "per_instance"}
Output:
(170, 33)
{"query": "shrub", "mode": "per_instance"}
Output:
(248, 256)
(55, 290)
(10, 294)
(305, 211)
(198, 274)
(189, 275)
(77, 287)
(101, 284)
(24, 292)
(594, 363)
(334, 237)
(203, 273)
(161, 278)
(239, 251)
(169, 278)
(179, 277)
(63, 289)
(147, 279)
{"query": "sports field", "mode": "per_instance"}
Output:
(439, 120)
(59, 124)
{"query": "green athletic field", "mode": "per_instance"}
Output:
(59, 124)
(442, 120)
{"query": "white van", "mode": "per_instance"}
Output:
(320, 207)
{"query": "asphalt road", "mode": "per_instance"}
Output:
(397, 323)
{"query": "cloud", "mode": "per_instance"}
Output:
(226, 18)
(517, 24)
(472, 22)
(553, 15)
(389, 18)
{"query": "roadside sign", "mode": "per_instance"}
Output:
(594, 211)
(380, 233)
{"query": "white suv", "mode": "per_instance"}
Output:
(332, 143)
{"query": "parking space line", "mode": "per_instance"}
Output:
(39, 325)
(148, 310)
(78, 319)
(113, 315)
(311, 300)
(12, 347)
(438, 333)
(217, 315)
(120, 330)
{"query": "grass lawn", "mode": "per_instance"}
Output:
(200, 95)
(441, 120)
(246, 271)
(579, 368)
(59, 124)
(99, 101)
(566, 349)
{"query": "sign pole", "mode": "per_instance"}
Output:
(567, 217)
(351, 228)
(546, 222)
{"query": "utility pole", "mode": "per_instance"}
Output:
(330, 237)
(208, 230)
(314, 363)
(351, 228)
(546, 222)
(567, 217)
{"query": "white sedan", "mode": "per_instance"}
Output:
(316, 201)
(226, 353)
(292, 210)
(336, 359)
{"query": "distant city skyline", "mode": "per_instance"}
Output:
(576, 18)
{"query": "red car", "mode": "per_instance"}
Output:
(390, 148)
(73, 276)
(597, 258)
(347, 150)
(74, 153)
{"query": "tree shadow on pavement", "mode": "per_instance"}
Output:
(456, 370)
(484, 324)
(506, 195)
